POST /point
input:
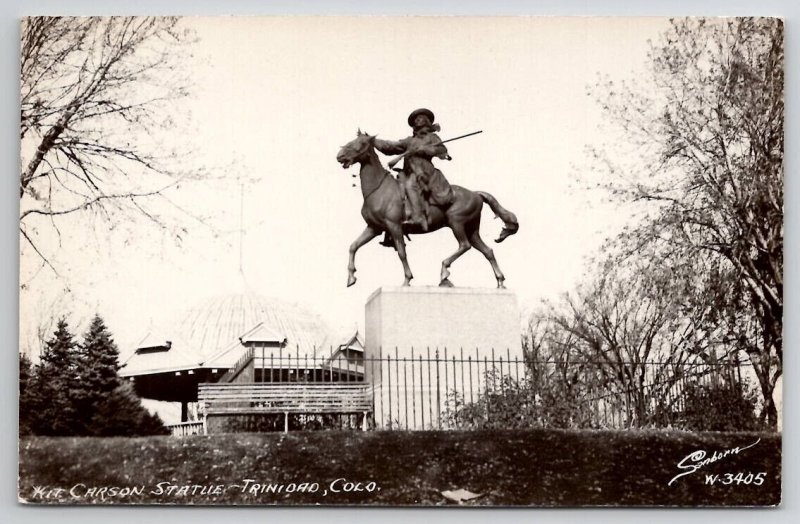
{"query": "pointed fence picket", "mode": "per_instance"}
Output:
(440, 388)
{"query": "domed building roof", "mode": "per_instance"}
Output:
(216, 323)
(212, 329)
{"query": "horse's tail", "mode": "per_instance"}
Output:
(510, 224)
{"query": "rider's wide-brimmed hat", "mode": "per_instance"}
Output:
(417, 112)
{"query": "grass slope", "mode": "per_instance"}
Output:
(521, 467)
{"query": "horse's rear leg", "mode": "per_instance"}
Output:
(478, 243)
(368, 234)
(396, 230)
(463, 247)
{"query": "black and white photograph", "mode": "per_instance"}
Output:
(456, 261)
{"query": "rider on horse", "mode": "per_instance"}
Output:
(422, 183)
(383, 212)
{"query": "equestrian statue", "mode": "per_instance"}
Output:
(420, 200)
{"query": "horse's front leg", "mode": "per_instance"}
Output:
(368, 234)
(396, 230)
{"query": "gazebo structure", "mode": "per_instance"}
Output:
(244, 339)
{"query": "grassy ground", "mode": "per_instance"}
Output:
(521, 467)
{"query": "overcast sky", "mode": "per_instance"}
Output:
(272, 101)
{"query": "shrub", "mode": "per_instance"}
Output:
(509, 403)
(723, 406)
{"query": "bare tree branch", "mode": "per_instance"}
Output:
(93, 92)
(708, 134)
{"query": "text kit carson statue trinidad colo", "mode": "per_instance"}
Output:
(433, 203)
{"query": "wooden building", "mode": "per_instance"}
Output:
(239, 339)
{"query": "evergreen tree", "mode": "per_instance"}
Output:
(122, 414)
(26, 391)
(51, 403)
(100, 359)
(60, 353)
(97, 377)
(76, 390)
(107, 405)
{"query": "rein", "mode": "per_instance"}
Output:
(385, 176)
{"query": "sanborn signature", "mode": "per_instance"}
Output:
(697, 460)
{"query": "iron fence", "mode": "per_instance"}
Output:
(443, 389)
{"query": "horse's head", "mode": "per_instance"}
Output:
(356, 150)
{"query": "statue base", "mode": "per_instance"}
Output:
(425, 344)
(471, 319)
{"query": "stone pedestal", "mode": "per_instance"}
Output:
(426, 346)
(439, 318)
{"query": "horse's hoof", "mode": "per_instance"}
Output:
(500, 285)
(504, 234)
(351, 280)
(446, 283)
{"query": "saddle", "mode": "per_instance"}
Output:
(443, 201)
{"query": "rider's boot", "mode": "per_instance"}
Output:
(418, 217)
(387, 240)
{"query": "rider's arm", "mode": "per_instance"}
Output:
(391, 147)
(432, 147)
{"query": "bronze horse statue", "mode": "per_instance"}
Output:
(383, 212)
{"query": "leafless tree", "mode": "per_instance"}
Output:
(621, 339)
(699, 154)
(95, 93)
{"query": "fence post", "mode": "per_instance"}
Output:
(413, 390)
(297, 362)
(421, 396)
(461, 361)
(430, 385)
(405, 390)
(438, 398)
(714, 367)
(486, 385)
(397, 381)
(469, 359)
(372, 380)
(205, 421)
(446, 385)
(380, 393)
(389, 386)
